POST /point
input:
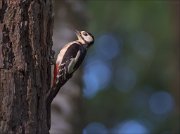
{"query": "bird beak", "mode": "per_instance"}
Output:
(77, 33)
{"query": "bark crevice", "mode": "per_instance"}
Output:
(24, 79)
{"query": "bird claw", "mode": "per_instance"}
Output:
(52, 59)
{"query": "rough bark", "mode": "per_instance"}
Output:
(26, 31)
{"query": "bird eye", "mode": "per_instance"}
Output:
(85, 34)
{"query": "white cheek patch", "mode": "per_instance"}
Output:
(88, 38)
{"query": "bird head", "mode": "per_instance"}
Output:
(85, 38)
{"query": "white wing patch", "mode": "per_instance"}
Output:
(62, 66)
(73, 62)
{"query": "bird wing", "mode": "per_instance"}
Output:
(70, 62)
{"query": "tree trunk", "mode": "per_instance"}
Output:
(25, 36)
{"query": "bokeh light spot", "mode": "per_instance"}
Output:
(95, 128)
(97, 77)
(107, 47)
(161, 103)
(130, 127)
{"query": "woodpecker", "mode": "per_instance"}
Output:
(71, 56)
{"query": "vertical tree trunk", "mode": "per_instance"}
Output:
(25, 33)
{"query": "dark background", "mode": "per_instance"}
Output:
(130, 76)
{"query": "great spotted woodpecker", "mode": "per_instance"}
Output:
(70, 57)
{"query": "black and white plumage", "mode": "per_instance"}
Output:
(70, 57)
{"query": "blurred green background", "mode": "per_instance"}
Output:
(131, 75)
